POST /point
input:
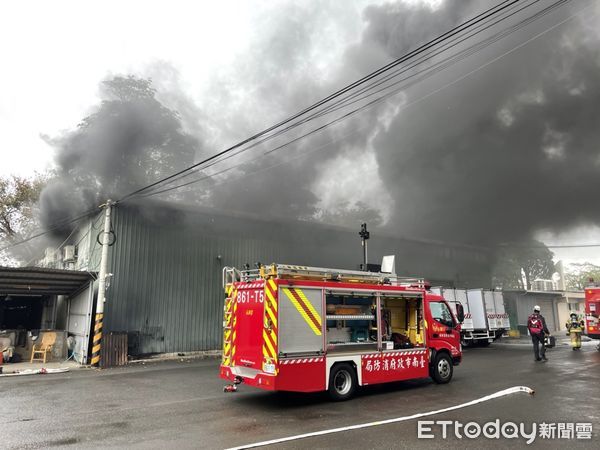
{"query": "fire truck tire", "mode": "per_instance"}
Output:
(342, 382)
(442, 369)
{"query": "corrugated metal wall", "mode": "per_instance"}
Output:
(166, 290)
(523, 303)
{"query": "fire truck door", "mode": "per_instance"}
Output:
(300, 320)
(248, 325)
(442, 331)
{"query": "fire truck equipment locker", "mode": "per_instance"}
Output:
(296, 333)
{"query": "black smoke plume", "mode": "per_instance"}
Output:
(508, 150)
(130, 140)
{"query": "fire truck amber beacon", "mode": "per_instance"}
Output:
(311, 329)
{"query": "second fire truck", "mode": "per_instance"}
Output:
(308, 329)
(592, 312)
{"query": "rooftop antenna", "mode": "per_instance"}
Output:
(364, 236)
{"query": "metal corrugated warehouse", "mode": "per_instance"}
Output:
(166, 264)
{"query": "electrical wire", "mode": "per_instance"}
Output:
(448, 34)
(477, 19)
(318, 114)
(53, 227)
(342, 103)
(429, 72)
(384, 97)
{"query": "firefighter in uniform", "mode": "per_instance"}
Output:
(536, 324)
(574, 329)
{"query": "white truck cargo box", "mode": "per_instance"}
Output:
(447, 293)
(477, 308)
(502, 319)
(461, 296)
(453, 296)
(490, 309)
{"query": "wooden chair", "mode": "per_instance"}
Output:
(45, 347)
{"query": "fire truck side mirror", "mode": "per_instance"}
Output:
(460, 312)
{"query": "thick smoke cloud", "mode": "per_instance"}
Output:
(504, 153)
(494, 158)
(130, 140)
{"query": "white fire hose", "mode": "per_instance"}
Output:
(512, 390)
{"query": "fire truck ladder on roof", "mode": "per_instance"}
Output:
(287, 271)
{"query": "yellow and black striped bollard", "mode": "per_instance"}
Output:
(97, 339)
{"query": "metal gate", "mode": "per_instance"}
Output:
(525, 304)
(114, 349)
(79, 321)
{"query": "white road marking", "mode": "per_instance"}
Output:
(512, 390)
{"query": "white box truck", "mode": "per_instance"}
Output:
(485, 316)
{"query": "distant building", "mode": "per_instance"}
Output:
(544, 285)
(556, 305)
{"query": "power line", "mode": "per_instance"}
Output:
(471, 22)
(329, 109)
(433, 70)
(53, 227)
(342, 103)
(461, 28)
(494, 39)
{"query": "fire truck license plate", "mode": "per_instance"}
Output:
(270, 368)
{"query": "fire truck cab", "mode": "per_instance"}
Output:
(308, 329)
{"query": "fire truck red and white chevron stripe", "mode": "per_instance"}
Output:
(386, 354)
(253, 285)
(468, 316)
(496, 316)
(302, 360)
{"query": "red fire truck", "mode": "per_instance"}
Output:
(592, 312)
(308, 329)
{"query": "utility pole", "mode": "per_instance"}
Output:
(364, 236)
(102, 278)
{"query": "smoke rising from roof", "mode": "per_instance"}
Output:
(130, 140)
(506, 152)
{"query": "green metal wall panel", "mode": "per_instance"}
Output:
(166, 286)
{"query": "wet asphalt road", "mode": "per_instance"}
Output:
(181, 405)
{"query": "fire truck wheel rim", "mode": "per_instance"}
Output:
(444, 368)
(342, 382)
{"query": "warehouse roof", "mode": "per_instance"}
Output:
(41, 281)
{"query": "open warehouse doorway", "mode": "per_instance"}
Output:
(48, 310)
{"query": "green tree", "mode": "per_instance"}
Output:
(578, 275)
(519, 264)
(18, 215)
